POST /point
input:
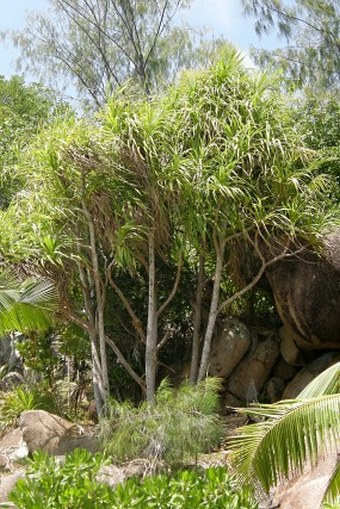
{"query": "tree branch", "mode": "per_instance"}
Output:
(174, 288)
(125, 363)
(164, 338)
(135, 320)
(264, 266)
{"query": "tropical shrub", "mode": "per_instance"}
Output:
(180, 424)
(26, 397)
(57, 485)
(73, 484)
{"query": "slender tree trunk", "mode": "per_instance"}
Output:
(152, 325)
(213, 311)
(97, 380)
(197, 321)
(100, 300)
(97, 376)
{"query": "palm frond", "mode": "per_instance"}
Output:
(25, 305)
(294, 433)
(328, 382)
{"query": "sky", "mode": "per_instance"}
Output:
(223, 17)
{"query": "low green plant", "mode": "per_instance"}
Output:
(56, 485)
(212, 488)
(73, 485)
(26, 397)
(180, 424)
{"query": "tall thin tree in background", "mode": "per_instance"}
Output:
(96, 45)
(312, 31)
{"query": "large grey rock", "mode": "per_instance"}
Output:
(274, 389)
(284, 370)
(307, 295)
(248, 379)
(53, 434)
(309, 372)
(229, 347)
(288, 347)
(230, 402)
(306, 288)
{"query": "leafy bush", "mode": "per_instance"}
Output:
(57, 485)
(212, 488)
(179, 425)
(72, 484)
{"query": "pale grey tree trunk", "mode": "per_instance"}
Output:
(100, 301)
(213, 312)
(97, 378)
(98, 386)
(97, 311)
(152, 325)
(196, 336)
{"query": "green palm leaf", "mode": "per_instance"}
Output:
(290, 435)
(293, 433)
(25, 305)
(328, 382)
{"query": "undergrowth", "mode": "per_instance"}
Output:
(73, 485)
(26, 397)
(180, 424)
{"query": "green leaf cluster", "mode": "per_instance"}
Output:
(219, 153)
(26, 397)
(24, 109)
(215, 159)
(311, 30)
(72, 483)
(55, 484)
